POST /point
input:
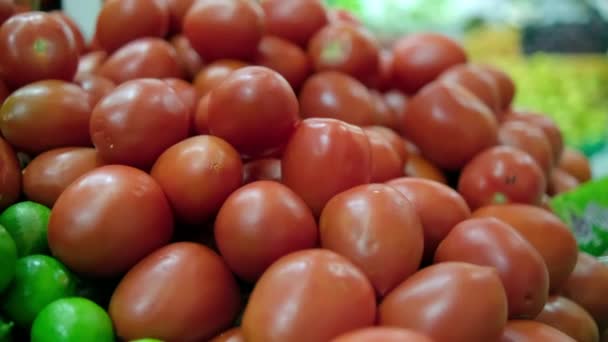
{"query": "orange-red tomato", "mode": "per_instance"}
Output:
(477, 81)
(330, 297)
(571, 319)
(561, 181)
(190, 295)
(294, 20)
(72, 26)
(418, 167)
(396, 142)
(384, 115)
(213, 74)
(284, 57)
(341, 15)
(397, 102)
(189, 60)
(201, 116)
(506, 86)
(7, 9)
(548, 125)
(576, 164)
(531, 331)
(187, 94)
(386, 162)
(10, 175)
(262, 169)
(382, 334)
(90, 63)
(529, 139)
(97, 86)
(177, 11)
(232, 335)
(383, 78)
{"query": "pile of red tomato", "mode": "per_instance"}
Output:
(272, 164)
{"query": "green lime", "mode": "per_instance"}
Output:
(27, 223)
(72, 319)
(8, 259)
(5, 330)
(39, 280)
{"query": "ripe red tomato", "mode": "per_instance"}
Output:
(4, 92)
(383, 79)
(420, 58)
(224, 28)
(72, 26)
(7, 9)
(531, 331)
(45, 115)
(336, 95)
(376, 228)
(384, 334)
(576, 164)
(529, 139)
(284, 57)
(232, 335)
(254, 109)
(36, 46)
(122, 21)
(477, 81)
(10, 175)
(441, 300)
(386, 162)
(341, 150)
(187, 94)
(119, 133)
(561, 181)
(330, 297)
(418, 167)
(177, 12)
(397, 102)
(341, 15)
(201, 116)
(108, 219)
(443, 113)
(213, 74)
(197, 175)
(506, 86)
(502, 174)
(571, 319)
(294, 20)
(262, 169)
(90, 63)
(548, 125)
(189, 60)
(190, 295)
(396, 142)
(96, 86)
(384, 115)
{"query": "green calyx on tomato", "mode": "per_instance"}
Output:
(334, 52)
(41, 46)
(500, 198)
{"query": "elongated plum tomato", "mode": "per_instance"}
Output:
(232, 335)
(386, 163)
(122, 21)
(420, 58)
(220, 29)
(294, 20)
(10, 175)
(532, 331)
(569, 318)
(96, 86)
(90, 63)
(548, 125)
(561, 181)
(127, 217)
(331, 297)
(384, 334)
(336, 95)
(73, 27)
(142, 58)
(197, 175)
(214, 73)
(190, 295)
(188, 59)
(376, 228)
(451, 112)
(284, 57)
(396, 142)
(441, 300)
(51, 172)
(476, 80)
(502, 174)
(546, 232)
(576, 164)
(491, 242)
(418, 167)
(262, 169)
(254, 109)
(121, 135)
(36, 46)
(259, 223)
(506, 86)
(341, 150)
(529, 139)
(46, 115)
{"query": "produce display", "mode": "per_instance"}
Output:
(268, 171)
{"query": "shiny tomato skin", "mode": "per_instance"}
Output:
(331, 296)
(45, 115)
(336, 95)
(90, 63)
(122, 21)
(569, 318)
(142, 58)
(441, 300)
(262, 169)
(36, 46)
(491, 242)
(201, 116)
(254, 109)
(284, 57)
(420, 58)
(7, 9)
(451, 112)
(529, 139)
(127, 217)
(429, 198)
(259, 223)
(71, 24)
(220, 29)
(575, 163)
(384, 115)
(10, 175)
(177, 11)
(548, 125)
(418, 167)
(561, 181)
(506, 86)
(197, 175)
(214, 73)
(386, 162)
(477, 81)
(396, 142)
(377, 229)
(189, 60)
(193, 298)
(502, 174)
(532, 331)
(341, 150)
(382, 80)
(383, 334)
(231, 335)
(397, 102)
(51, 172)
(546, 232)
(294, 20)
(96, 86)
(187, 94)
(121, 135)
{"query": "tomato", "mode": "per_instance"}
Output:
(546, 232)
(340, 15)
(383, 79)
(411, 148)
(443, 113)
(330, 297)
(549, 126)
(429, 198)
(96, 86)
(177, 12)
(71, 24)
(506, 86)
(346, 48)
(576, 164)
(262, 169)
(502, 174)
(90, 63)
(232, 335)
(213, 74)
(108, 219)
(491, 242)
(45, 115)
(568, 317)
(4, 92)
(294, 20)
(531, 331)
(396, 142)
(254, 109)
(190, 295)
(383, 114)
(341, 150)
(189, 60)
(561, 181)
(51, 172)
(220, 29)
(36, 46)
(197, 175)
(418, 167)
(201, 116)
(336, 95)
(122, 21)
(387, 164)
(122, 137)
(7, 9)
(376, 228)
(284, 57)
(10, 175)
(187, 94)
(441, 300)
(477, 81)
(529, 139)
(384, 334)
(587, 287)
(142, 58)
(397, 102)
(420, 58)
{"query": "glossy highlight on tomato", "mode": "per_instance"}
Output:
(294, 20)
